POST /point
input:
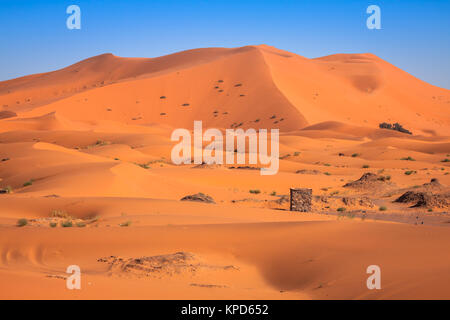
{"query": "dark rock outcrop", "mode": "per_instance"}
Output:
(198, 197)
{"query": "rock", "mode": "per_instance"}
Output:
(425, 199)
(433, 184)
(306, 171)
(363, 201)
(245, 168)
(369, 181)
(198, 197)
(411, 196)
(205, 165)
(301, 200)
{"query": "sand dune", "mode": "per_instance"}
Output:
(90, 144)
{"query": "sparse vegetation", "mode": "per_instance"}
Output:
(28, 183)
(53, 224)
(355, 155)
(408, 158)
(101, 143)
(274, 193)
(22, 222)
(327, 173)
(81, 224)
(351, 215)
(255, 191)
(125, 224)
(365, 166)
(382, 208)
(144, 165)
(410, 172)
(384, 178)
(296, 153)
(341, 209)
(67, 224)
(396, 127)
(445, 160)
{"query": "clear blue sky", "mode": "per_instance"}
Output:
(415, 35)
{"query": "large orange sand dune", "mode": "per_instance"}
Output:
(91, 143)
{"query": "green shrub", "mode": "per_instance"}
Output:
(22, 222)
(81, 224)
(53, 224)
(28, 183)
(410, 172)
(355, 155)
(382, 208)
(143, 165)
(408, 158)
(255, 191)
(341, 209)
(445, 160)
(366, 166)
(66, 224)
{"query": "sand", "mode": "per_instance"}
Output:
(91, 144)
